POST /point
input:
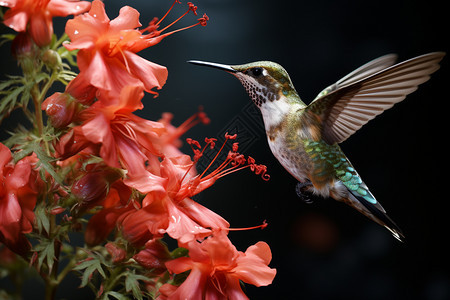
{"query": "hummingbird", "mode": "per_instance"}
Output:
(304, 138)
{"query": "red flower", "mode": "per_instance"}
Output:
(164, 210)
(18, 195)
(122, 139)
(167, 208)
(39, 14)
(216, 268)
(107, 56)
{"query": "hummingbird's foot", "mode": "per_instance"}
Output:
(302, 190)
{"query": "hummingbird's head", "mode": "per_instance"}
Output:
(263, 80)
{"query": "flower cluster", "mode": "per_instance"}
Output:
(97, 158)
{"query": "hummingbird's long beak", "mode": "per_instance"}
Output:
(213, 65)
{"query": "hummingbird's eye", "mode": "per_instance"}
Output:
(256, 71)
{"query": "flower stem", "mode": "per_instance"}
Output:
(37, 109)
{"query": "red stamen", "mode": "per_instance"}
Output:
(262, 226)
(176, 1)
(215, 157)
(192, 7)
(234, 162)
(203, 20)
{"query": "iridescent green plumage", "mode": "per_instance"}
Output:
(330, 162)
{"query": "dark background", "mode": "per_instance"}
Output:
(323, 250)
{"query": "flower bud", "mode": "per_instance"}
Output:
(61, 109)
(91, 189)
(22, 45)
(117, 253)
(52, 59)
(25, 51)
(153, 256)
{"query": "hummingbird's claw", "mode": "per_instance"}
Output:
(302, 190)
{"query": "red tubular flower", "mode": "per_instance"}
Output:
(167, 208)
(38, 15)
(107, 56)
(163, 211)
(216, 268)
(122, 139)
(18, 195)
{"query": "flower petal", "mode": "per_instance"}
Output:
(234, 289)
(41, 29)
(5, 157)
(151, 74)
(128, 19)
(179, 265)
(20, 176)
(261, 251)
(252, 267)
(182, 227)
(16, 20)
(192, 287)
(98, 11)
(62, 8)
(147, 183)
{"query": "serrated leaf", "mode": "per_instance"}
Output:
(91, 265)
(116, 295)
(45, 161)
(41, 219)
(9, 102)
(46, 251)
(132, 284)
(7, 83)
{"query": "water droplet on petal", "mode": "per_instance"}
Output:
(76, 32)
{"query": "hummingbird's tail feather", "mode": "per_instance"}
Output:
(375, 213)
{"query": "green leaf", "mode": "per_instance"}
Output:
(116, 295)
(179, 252)
(44, 160)
(41, 219)
(46, 252)
(132, 284)
(9, 102)
(90, 266)
(4, 38)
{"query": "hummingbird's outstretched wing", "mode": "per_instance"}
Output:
(362, 72)
(368, 91)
